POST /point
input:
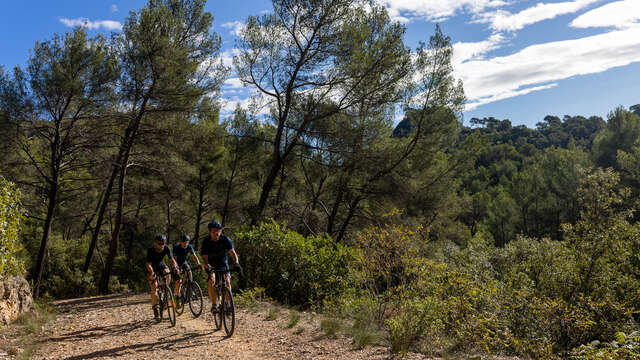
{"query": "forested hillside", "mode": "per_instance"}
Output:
(448, 234)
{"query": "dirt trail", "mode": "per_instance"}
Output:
(121, 326)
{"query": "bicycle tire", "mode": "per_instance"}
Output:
(171, 311)
(228, 312)
(161, 297)
(217, 319)
(180, 304)
(194, 297)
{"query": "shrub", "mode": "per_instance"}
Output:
(331, 326)
(11, 262)
(252, 299)
(293, 269)
(415, 320)
(272, 313)
(294, 318)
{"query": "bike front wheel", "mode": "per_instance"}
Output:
(194, 297)
(180, 303)
(228, 312)
(169, 304)
(217, 319)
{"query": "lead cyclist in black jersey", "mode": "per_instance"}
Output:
(155, 264)
(216, 248)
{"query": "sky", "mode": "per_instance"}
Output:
(518, 59)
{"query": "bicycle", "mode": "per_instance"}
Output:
(192, 293)
(165, 298)
(226, 314)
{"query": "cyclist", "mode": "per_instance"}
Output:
(155, 264)
(181, 252)
(215, 250)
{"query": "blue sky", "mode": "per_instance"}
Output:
(519, 59)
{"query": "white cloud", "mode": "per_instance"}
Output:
(464, 51)
(620, 14)
(235, 26)
(114, 8)
(404, 10)
(233, 83)
(255, 104)
(88, 24)
(227, 56)
(505, 95)
(534, 67)
(502, 20)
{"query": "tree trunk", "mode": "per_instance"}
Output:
(345, 225)
(53, 192)
(266, 189)
(227, 198)
(99, 221)
(334, 211)
(113, 245)
(196, 234)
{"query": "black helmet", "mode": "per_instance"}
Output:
(214, 225)
(161, 238)
(185, 238)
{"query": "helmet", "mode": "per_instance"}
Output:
(185, 238)
(214, 225)
(161, 238)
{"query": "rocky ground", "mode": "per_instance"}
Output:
(121, 326)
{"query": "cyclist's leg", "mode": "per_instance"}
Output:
(211, 288)
(164, 270)
(227, 280)
(153, 285)
(178, 284)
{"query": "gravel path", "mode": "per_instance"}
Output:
(122, 327)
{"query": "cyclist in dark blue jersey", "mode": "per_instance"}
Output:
(155, 264)
(181, 252)
(215, 251)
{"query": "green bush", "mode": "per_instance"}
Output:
(63, 277)
(331, 326)
(294, 318)
(293, 269)
(11, 262)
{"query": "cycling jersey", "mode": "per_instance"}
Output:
(217, 251)
(156, 258)
(182, 254)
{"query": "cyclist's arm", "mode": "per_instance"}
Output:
(195, 258)
(175, 265)
(149, 268)
(234, 256)
(205, 259)
(169, 254)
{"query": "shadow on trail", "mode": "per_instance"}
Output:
(170, 343)
(101, 331)
(101, 302)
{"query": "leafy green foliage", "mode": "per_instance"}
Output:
(293, 269)
(11, 213)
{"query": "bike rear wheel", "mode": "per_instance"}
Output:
(194, 297)
(228, 312)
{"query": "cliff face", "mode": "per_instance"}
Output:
(15, 299)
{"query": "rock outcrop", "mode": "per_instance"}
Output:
(15, 299)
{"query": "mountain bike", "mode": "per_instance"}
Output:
(191, 293)
(165, 299)
(226, 314)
